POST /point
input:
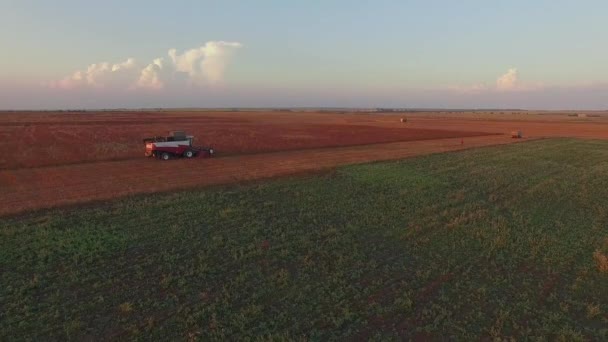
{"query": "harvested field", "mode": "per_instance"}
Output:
(56, 159)
(71, 139)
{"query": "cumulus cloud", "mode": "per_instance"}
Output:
(150, 76)
(128, 64)
(508, 82)
(98, 75)
(203, 65)
(206, 63)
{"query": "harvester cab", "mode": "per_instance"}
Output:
(176, 144)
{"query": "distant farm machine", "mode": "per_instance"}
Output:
(176, 145)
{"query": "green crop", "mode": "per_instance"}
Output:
(497, 242)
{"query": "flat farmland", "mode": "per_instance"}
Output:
(456, 231)
(34, 188)
(493, 243)
(76, 138)
(54, 159)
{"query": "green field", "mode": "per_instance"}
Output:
(494, 242)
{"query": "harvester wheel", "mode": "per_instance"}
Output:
(188, 154)
(165, 156)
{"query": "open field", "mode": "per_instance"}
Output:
(34, 188)
(53, 159)
(507, 241)
(60, 139)
(43, 139)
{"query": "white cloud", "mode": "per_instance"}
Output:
(206, 63)
(198, 66)
(98, 75)
(508, 81)
(150, 76)
(128, 64)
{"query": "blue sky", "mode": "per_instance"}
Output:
(549, 54)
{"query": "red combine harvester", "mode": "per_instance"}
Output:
(176, 145)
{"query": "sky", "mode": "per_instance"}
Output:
(533, 54)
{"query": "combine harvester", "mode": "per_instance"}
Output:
(176, 145)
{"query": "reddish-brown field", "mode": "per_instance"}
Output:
(70, 139)
(52, 159)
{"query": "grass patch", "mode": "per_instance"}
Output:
(507, 241)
